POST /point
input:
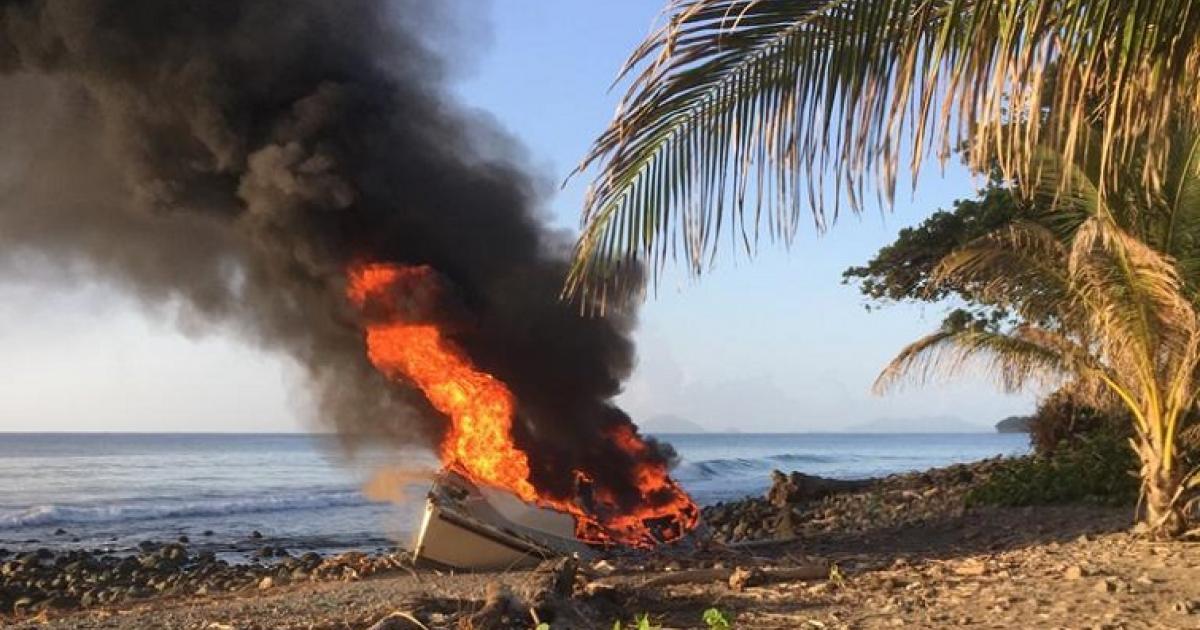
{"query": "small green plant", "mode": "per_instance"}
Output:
(542, 626)
(641, 622)
(716, 620)
(836, 577)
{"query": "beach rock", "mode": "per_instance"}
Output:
(256, 534)
(184, 539)
(1074, 572)
(743, 578)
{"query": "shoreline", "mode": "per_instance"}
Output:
(908, 554)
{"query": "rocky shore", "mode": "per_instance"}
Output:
(802, 505)
(905, 551)
(41, 581)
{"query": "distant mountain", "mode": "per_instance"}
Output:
(667, 423)
(1014, 424)
(928, 424)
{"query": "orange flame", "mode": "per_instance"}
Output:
(478, 441)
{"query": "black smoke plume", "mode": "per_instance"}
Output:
(234, 157)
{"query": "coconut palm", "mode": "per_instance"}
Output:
(1105, 289)
(743, 113)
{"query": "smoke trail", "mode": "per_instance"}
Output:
(235, 157)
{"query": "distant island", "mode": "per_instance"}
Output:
(668, 423)
(1014, 424)
(928, 424)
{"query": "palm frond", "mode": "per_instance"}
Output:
(741, 113)
(1020, 266)
(1015, 359)
(1182, 198)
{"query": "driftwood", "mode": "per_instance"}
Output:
(797, 487)
(543, 596)
(699, 576)
(399, 620)
(755, 544)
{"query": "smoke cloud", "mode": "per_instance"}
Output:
(236, 157)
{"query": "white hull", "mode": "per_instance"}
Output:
(469, 529)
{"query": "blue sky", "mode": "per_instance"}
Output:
(773, 344)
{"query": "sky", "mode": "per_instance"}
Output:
(776, 343)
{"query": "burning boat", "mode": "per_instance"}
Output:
(489, 509)
(465, 526)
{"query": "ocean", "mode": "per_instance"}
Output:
(112, 491)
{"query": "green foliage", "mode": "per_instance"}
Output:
(716, 620)
(903, 271)
(543, 626)
(1098, 468)
(1062, 421)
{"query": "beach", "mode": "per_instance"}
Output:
(905, 551)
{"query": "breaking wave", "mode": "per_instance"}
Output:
(65, 514)
(710, 469)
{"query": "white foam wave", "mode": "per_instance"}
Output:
(60, 514)
(742, 467)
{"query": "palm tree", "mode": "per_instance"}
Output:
(1105, 289)
(742, 113)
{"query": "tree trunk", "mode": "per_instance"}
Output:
(1163, 516)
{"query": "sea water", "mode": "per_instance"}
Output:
(305, 492)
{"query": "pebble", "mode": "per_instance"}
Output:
(744, 578)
